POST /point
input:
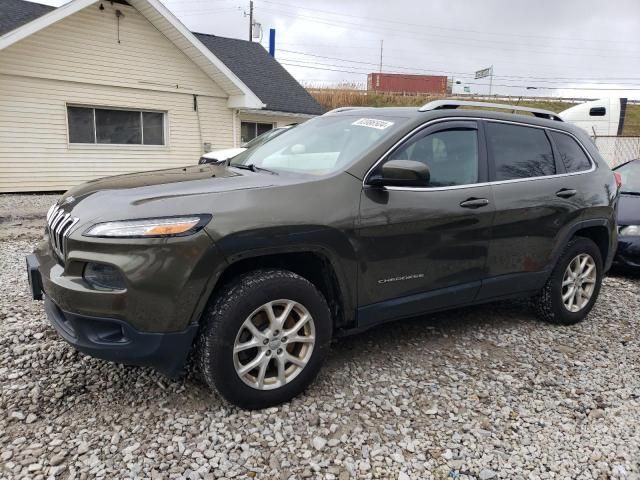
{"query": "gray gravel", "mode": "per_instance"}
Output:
(485, 393)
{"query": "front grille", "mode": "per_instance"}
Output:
(59, 225)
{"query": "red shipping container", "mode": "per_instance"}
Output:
(401, 83)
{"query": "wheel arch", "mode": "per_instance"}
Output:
(599, 230)
(316, 264)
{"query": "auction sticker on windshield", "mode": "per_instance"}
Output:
(372, 123)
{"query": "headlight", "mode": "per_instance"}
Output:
(630, 230)
(149, 227)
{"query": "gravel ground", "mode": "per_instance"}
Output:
(485, 392)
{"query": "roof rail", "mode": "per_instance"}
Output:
(344, 109)
(452, 104)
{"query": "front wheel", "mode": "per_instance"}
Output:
(264, 338)
(574, 285)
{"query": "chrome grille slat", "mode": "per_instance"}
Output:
(56, 230)
(59, 226)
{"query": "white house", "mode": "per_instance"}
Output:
(96, 88)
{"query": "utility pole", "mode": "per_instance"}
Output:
(491, 81)
(381, 44)
(251, 20)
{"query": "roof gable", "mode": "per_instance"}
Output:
(240, 96)
(262, 73)
(238, 66)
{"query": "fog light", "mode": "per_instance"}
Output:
(103, 277)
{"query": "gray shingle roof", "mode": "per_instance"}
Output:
(262, 74)
(15, 13)
(248, 60)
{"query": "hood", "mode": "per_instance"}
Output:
(629, 209)
(176, 191)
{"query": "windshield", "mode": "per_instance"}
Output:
(320, 146)
(262, 138)
(630, 173)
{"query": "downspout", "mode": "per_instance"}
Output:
(234, 116)
(197, 110)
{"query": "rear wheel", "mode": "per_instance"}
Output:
(264, 338)
(573, 287)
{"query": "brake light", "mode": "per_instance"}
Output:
(618, 179)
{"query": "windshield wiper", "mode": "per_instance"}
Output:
(251, 166)
(630, 193)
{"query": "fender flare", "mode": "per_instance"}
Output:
(342, 261)
(594, 222)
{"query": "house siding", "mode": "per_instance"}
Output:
(35, 154)
(79, 61)
(84, 48)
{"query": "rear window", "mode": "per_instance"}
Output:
(571, 154)
(519, 152)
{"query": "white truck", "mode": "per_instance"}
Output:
(603, 117)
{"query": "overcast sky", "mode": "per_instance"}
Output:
(544, 43)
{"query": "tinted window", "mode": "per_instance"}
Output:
(572, 155)
(80, 125)
(519, 152)
(451, 155)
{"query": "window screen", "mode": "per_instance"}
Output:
(519, 152)
(111, 126)
(153, 128)
(571, 154)
(451, 155)
(118, 126)
(81, 125)
(250, 130)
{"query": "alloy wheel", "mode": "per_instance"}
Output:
(578, 282)
(274, 344)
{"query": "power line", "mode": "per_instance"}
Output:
(461, 74)
(400, 54)
(438, 27)
(364, 27)
(329, 68)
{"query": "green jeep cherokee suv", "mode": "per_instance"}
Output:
(352, 219)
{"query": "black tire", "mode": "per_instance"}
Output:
(224, 317)
(548, 303)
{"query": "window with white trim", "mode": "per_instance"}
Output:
(115, 126)
(250, 130)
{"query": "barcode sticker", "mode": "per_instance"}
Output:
(372, 123)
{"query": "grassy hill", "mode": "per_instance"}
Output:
(334, 98)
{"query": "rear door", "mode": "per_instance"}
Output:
(535, 201)
(425, 248)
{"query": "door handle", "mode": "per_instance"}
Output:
(474, 203)
(566, 192)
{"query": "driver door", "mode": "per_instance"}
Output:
(426, 248)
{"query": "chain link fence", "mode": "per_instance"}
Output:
(617, 150)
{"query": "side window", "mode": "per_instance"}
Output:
(451, 155)
(519, 152)
(572, 155)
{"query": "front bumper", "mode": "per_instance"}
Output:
(152, 322)
(628, 253)
(117, 341)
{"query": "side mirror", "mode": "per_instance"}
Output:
(402, 173)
